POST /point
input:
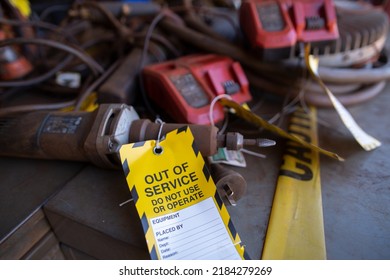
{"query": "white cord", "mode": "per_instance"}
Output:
(157, 148)
(212, 104)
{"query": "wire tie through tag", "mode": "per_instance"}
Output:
(212, 104)
(125, 202)
(158, 150)
(253, 153)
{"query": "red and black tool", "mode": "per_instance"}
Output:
(185, 88)
(274, 27)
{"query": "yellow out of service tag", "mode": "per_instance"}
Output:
(177, 200)
(296, 227)
(253, 118)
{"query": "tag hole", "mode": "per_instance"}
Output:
(158, 150)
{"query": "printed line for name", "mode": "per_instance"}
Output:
(173, 242)
(201, 239)
(204, 247)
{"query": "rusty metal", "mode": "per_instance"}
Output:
(95, 136)
(231, 186)
(363, 31)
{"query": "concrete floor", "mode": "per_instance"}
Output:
(355, 193)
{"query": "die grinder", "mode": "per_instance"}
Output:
(97, 136)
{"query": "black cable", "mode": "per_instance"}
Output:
(34, 107)
(43, 25)
(285, 73)
(162, 41)
(219, 13)
(53, 71)
(84, 95)
(39, 79)
(92, 64)
(122, 30)
(145, 50)
(51, 9)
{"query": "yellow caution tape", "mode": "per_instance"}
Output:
(177, 201)
(296, 228)
(366, 141)
(23, 6)
(253, 118)
(90, 104)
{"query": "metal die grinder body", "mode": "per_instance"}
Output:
(88, 136)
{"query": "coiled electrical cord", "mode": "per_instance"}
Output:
(348, 75)
(348, 99)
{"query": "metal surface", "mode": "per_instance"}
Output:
(231, 186)
(363, 31)
(26, 185)
(86, 216)
(355, 193)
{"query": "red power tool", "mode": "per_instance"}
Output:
(185, 87)
(275, 26)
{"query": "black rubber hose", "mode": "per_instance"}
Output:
(348, 75)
